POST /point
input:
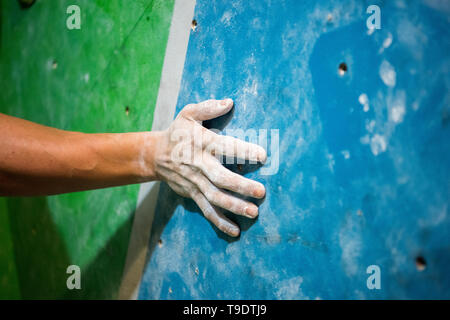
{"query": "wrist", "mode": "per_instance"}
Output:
(147, 159)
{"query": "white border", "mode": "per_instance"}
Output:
(172, 71)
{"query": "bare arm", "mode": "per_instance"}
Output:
(39, 160)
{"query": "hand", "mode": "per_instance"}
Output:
(185, 157)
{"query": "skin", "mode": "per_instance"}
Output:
(37, 160)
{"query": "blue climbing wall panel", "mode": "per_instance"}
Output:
(364, 173)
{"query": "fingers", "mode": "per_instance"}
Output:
(186, 188)
(224, 200)
(215, 216)
(207, 110)
(226, 179)
(232, 147)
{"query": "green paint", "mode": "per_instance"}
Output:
(79, 80)
(9, 283)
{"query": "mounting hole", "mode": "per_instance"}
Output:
(24, 4)
(342, 68)
(421, 264)
(194, 24)
(127, 110)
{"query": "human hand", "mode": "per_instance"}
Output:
(186, 158)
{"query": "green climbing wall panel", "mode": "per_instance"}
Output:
(101, 78)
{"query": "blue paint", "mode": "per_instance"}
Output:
(359, 184)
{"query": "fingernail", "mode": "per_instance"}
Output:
(262, 156)
(234, 232)
(226, 102)
(259, 192)
(251, 211)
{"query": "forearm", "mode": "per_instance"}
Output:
(39, 160)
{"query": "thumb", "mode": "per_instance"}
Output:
(207, 110)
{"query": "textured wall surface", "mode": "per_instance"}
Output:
(76, 80)
(364, 175)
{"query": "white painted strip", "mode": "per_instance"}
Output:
(169, 88)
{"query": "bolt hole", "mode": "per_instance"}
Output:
(194, 24)
(24, 4)
(421, 264)
(342, 68)
(127, 110)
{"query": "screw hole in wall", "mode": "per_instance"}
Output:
(342, 68)
(194, 24)
(24, 4)
(421, 264)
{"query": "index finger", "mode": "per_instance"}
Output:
(207, 110)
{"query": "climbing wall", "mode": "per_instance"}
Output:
(364, 160)
(101, 78)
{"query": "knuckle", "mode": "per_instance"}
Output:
(213, 195)
(192, 191)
